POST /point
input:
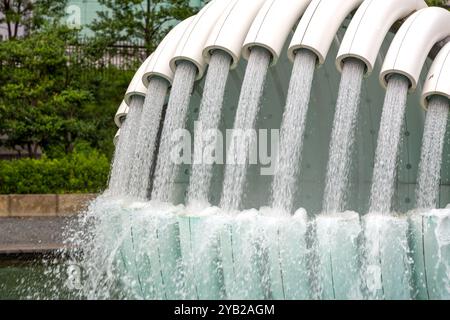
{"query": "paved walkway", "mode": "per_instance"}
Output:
(32, 235)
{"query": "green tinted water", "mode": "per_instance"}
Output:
(29, 278)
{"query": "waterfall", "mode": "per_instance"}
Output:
(121, 168)
(385, 259)
(292, 131)
(209, 119)
(146, 141)
(431, 159)
(166, 169)
(386, 158)
(247, 112)
(343, 136)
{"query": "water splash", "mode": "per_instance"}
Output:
(337, 248)
(151, 250)
(442, 268)
(146, 141)
(342, 137)
(209, 119)
(385, 253)
(386, 159)
(127, 250)
(121, 168)
(247, 112)
(430, 248)
(292, 131)
(177, 109)
(431, 159)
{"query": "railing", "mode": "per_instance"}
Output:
(124, 55)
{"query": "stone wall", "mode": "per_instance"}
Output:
(48, 205)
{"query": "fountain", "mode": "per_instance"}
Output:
(428, 239)
(209, 119)
(431, 159)
(388, 145)
(243, 137)
(298, 234)
(293, 130)
(166, 169)
(147, 138)
(342, 137)
(120, 171)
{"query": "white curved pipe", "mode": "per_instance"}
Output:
(194, 38)
(438, 79)
(319, 25)
(116, 137)
(230, 31)
(369, 27)
(272, 26)
(136, 87)
(413, 42)
(121, 114)
(159, 64)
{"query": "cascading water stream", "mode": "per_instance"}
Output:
(385, 169)
(292, 131)
(166, 169)
(121, 168)
(342, 137)
(147, 138)
(243, 136)
(209, 119)
(431, 159)
(385, 264)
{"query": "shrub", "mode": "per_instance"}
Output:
(79, 172)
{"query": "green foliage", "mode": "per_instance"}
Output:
(64, 104)
(79, 172)
(146, 20)
(28, 15)
(439, 3)
(48, 100)
(107, 93)
(38, 101)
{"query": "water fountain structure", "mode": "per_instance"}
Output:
(163, 250)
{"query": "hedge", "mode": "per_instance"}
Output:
(75, 173)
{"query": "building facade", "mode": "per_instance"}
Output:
(81, 13)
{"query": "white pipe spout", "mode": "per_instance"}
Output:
(121, 114)
(159, 64)
(413, 42)
(137, 87)
(438, 79)
(190, 47)
(230, 31)
(319, 25)
(116, 137)
(369, 28)
(272, 26)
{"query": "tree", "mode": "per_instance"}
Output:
(145, 20)
(441, 3)
(26, 15)
(38, 100)
(52, 101)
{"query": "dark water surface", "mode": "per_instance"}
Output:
(28, 277)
